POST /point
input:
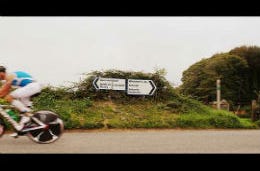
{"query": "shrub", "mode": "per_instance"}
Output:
(85, 87)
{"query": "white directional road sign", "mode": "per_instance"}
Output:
(109, 83)
(140, 87)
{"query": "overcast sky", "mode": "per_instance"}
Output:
(57, 50)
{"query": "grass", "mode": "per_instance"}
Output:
(86, 114)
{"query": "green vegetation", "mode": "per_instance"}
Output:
(85, 87)
(144, 114)
(252, 55)
(199, 80)
(81, 106)
(113, 109)
(238, 69)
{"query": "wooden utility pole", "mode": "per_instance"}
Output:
(253, 116)
(218, 94)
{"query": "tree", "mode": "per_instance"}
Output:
(192, 78)
(252, 55)
(199, 80)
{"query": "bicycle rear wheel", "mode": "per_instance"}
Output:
(50, 134)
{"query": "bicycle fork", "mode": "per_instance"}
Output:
(10, 119)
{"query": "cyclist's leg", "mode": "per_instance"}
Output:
(24, 93)
(26, 101)
(17, 103)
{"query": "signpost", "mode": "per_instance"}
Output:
(218, 94)
(133, 87)
(109, 83)
(140, 87)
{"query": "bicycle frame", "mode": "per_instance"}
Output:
(44, 126)
(16, 125)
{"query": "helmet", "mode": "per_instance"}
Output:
(2, 69)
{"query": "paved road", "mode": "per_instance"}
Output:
(141, 141)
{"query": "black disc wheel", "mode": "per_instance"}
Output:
(50, 134)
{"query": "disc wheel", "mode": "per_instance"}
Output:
(50, 134)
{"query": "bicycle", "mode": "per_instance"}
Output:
(44, 126)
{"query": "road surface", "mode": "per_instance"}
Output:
(140, 141)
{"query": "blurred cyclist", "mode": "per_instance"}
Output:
(17, 89)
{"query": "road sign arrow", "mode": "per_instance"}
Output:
(95, 83)
(140, 87)
(153, 87)
(109, 83)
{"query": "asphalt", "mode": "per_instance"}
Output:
(139, 141)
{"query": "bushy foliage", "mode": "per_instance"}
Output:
(82, 106)
(252, 55)
(85, 87)
(199, 80)
(239, 71)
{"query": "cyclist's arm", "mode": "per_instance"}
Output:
(6, 87)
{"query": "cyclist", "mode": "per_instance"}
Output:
(17, 89)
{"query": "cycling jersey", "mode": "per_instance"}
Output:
(21, 79)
